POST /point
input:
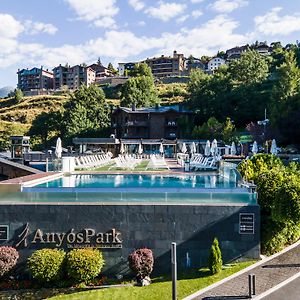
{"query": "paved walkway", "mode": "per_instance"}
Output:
(268, 275)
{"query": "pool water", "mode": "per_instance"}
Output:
(92, 181)
(134, 188)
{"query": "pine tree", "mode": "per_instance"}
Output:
(215, 258)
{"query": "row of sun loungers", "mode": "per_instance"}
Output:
(126, 162)
(203, 163)
(157, 162)
(92, 161)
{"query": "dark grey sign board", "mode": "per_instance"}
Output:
(246, 224)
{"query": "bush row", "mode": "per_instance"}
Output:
(83, 265)
(51, 265)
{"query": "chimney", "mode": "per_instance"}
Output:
(133, 107)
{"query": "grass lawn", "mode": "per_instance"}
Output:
(161, 288)
(140, 167)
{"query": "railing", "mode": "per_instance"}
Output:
(69, 195)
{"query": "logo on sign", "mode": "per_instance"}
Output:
(87, 237)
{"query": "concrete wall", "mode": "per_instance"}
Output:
(193, 227)
(10, 169)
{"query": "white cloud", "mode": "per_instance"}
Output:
(273, 24)
(166, 11)
(197, 1)
(100, 12)
(141, 23)
(10, 27)
(105, 22)
(227, 6)
(216, 34)
(182, 19)
(39, 27)
(197, 13)
(136, 4)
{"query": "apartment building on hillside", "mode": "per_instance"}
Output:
(214, 64)
(101, 71)
(165, 66)
(35, 79)
(124, 69)
(73, 77)
(261, 47)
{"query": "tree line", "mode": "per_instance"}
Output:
(244, 88)
(234, 96)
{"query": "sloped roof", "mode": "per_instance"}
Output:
(158, 109)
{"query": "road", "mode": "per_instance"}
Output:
(290, 291)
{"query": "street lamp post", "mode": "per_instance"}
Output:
(264, 122)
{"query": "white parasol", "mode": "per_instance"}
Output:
(274, 147)
(233, 149)
(193, 148)
(254, 149)
(161, 148)
(207, 148)
(214, 147)
(183, 148)
(140, 149)
(58, 148)
(122, 149)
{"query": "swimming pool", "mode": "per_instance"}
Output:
(99, 181)
(133, 188)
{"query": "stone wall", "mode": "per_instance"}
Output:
(192, 227)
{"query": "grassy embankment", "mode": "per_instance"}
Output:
(188, 282)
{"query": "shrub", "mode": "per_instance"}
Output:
(215, 258)
(46, 265)
(141, 262)
(84, 264)
(276, 236)
(287, 203)
(18, 95)
(8, 259)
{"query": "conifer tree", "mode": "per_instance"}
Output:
(215, 258)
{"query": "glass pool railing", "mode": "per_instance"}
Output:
(129, 197)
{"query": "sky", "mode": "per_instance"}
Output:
(52, 32)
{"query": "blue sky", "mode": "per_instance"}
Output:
(44, 32)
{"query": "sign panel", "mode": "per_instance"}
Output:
(4, 233)
(246, 224)
(246, 138)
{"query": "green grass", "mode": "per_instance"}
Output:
(188, 283)
(140, 167)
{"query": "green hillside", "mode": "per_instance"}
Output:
(16, 118)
